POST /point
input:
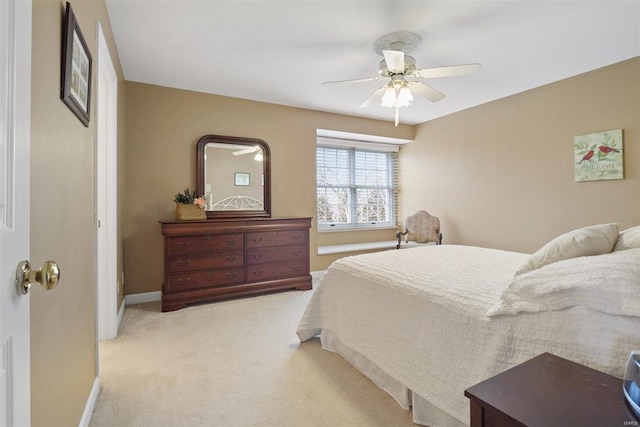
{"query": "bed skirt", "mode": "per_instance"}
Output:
(424, 413)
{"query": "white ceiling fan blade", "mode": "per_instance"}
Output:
(426, 91)
(366, 79)
(246, 151)
(373, 97)
(394, 60)
(453, 70)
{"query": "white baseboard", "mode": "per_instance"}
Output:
(120, 314)
(143, 297)
(91, 404)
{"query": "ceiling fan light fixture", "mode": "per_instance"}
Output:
(389, 97)
(397, 95)
(404, 97)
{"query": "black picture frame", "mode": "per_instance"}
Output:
(75, 87)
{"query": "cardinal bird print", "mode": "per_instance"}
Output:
(598, 156)
(587, 156)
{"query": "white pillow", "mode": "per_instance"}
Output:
(628, 239)
(592, 240)
(608, 283)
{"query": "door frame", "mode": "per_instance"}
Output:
(108, 285)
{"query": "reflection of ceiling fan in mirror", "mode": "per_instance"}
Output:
(400, 76)
(258, 156)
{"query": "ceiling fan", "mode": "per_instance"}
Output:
(400, 76)
(246, 151)
(258, 157)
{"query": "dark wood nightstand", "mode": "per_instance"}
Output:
(549, 391)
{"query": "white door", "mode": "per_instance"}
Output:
(15, 111)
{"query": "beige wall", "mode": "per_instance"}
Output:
(63, 328)
(501, 175)
(163, 126)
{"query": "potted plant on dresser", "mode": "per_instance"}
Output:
(189, 206)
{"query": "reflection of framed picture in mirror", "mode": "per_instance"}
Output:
(242, 179)
(75, 88)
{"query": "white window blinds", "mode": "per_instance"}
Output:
(356, 187)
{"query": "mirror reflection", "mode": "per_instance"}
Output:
(233, 177)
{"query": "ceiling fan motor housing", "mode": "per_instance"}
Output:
(409, 67)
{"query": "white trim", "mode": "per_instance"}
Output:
(91, 404)
(143, 297)
(356, 247)
(336, 134)
(120, 314)
(346, 143)
(336, 228)
(367, 246)
(106, 191)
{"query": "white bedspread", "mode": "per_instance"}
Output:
(420, 316)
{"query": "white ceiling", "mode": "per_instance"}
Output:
(280, 51)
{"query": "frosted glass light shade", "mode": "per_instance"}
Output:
(404, 97)
(389, 98)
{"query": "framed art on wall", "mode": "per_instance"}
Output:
(75, 88)
(599, 156)
(242, 179)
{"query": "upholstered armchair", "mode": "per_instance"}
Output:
(421, 228)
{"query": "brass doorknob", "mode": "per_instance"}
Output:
(48, 276)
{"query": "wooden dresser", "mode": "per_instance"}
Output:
(225, 258)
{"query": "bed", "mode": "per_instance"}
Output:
(426, 323)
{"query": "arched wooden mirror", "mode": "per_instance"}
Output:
(234, 176)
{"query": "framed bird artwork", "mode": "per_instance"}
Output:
(599, 156)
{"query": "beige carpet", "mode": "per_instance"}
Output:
(232, 363)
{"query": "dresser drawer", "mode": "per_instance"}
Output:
(277, 254)
(276, 238)
(261, 272)
(206, 261)
(205, 279)
(213, 242)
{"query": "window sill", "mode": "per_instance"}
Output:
(341, 229)
(356, 247)
(366, 246)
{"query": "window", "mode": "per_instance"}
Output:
(356, 187)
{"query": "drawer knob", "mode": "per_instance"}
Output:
(295, 253)
(184, 261)
(231, 241)
(184, 244)
(257, 273)
(232, 275)
(183, 281)
(231, 258)
(297, 267)
(257, 239)
(257, 256)
(296, 237)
